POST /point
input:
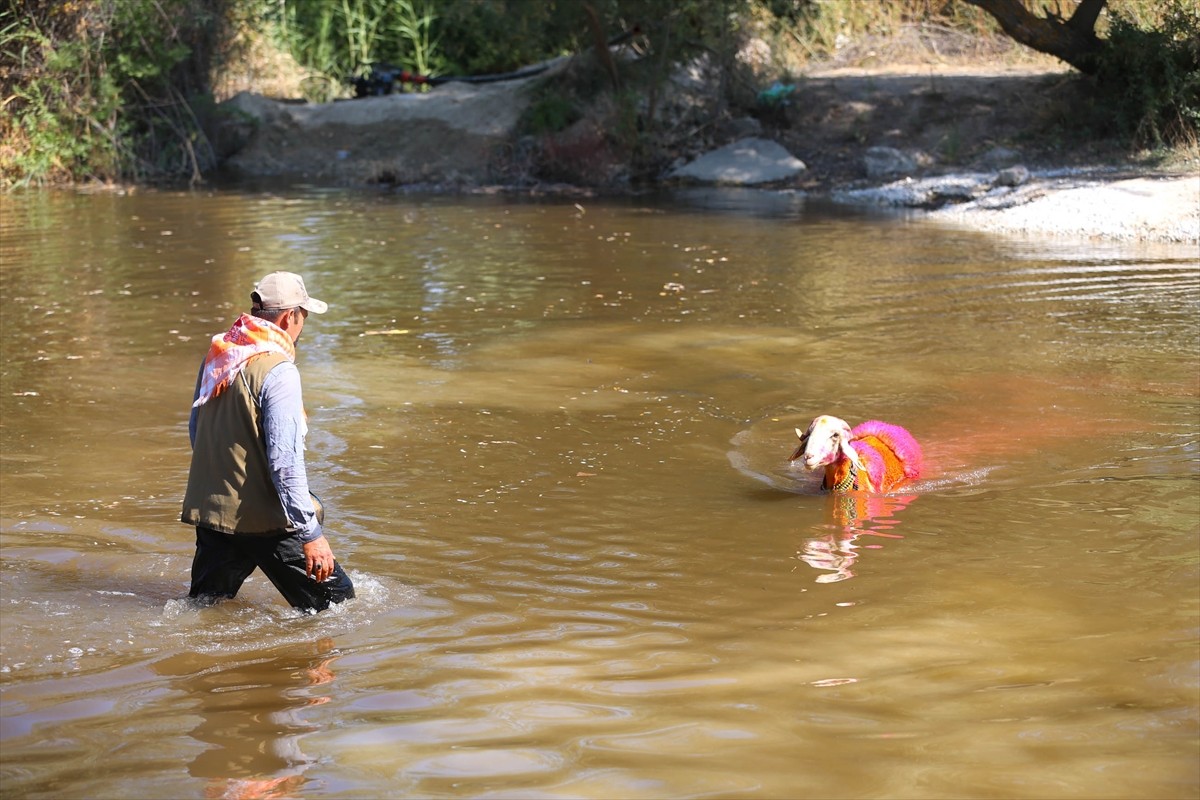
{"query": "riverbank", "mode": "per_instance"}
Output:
(966, 145)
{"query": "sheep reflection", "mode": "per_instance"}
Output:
(857, 516)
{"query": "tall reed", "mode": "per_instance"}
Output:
(342, 39)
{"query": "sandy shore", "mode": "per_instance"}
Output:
(1094, 204)
(1148, 209)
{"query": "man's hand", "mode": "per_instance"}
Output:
(318, 559)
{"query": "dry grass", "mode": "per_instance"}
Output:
(933, 44)
(256, 64)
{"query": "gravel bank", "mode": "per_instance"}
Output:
(1163, 209)
(1095, 204)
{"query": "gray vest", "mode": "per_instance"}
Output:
(229, 485)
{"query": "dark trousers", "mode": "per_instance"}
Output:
(223, 562)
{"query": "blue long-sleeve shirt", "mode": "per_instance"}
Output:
(281, 404)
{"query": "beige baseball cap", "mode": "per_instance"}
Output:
(286, 290)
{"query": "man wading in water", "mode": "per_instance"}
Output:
(247, 491)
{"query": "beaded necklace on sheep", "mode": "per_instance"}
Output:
(846, 483)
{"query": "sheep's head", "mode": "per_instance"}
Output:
(826, 441)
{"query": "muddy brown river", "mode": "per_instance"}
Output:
(552, 440)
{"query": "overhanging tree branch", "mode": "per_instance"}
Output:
(1084, 18)
(1074, 41)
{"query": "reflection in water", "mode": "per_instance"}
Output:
(857, 515)
(252, 718)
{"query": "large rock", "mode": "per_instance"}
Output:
(887, 162)
(745, 162)
(449, 134)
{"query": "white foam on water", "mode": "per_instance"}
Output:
(83, 629)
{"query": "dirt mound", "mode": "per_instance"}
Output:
(451, 135)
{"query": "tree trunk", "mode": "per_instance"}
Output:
(1073, 40)
(600, 42)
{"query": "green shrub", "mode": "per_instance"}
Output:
(341, 40)
(60, 120)
(481, 37)
(105, 91)
(1149, 78)
(551, 112)
(161, 54)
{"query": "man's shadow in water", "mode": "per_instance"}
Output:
(252, 717)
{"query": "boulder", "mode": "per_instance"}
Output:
(447, 135)
(1012, 176)
(745, 162)
(886, 162)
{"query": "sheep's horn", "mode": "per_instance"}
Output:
(803, 442)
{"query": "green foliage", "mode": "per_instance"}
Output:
(104, 90)
(1149, 78)
(493, 36)
(160, 53)
(341, 39)
(551, 112)
(413, 25)
(58, 109)
(119, 89)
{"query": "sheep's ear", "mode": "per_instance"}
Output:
(849, 452)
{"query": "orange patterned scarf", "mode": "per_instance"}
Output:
(249, 337)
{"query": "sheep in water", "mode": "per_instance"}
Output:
(874, 457)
